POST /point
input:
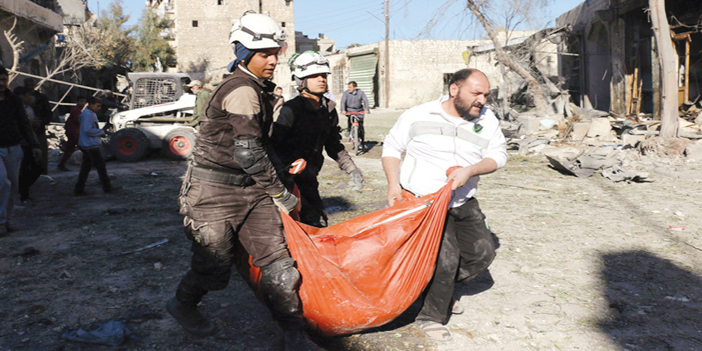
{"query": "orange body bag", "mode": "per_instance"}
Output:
(366, 271)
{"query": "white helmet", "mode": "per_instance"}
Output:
(306, 64)
(256, 31)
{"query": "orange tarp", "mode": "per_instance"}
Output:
(366, 271)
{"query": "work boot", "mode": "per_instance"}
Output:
(190, 318)
(299, 340)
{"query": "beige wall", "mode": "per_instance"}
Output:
(205, 51)
(417, 68)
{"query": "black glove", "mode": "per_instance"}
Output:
(357, 183)
(285, 201)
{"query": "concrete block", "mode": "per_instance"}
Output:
(632, 140)
(562, 153)
(580, 130)
(694, 151)
(599, 127)
(531, 123)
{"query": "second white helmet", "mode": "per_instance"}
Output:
(256, 31)
(308, 63)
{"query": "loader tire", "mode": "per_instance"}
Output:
(179, 143)
(129, 144)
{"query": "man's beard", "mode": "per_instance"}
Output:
(464, 108)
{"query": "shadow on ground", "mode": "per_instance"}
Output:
(653, 303)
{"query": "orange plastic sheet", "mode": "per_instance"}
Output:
(366, 271)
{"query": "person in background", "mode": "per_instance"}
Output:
(72, 128)
(14, 126)
(108, 102)
(42, 110)
(354, 100)
(278, 93)
(200, 99)
(89, 142)
(30, 168)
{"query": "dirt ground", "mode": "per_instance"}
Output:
(582, 264)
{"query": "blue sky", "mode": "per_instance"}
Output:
(362, 21)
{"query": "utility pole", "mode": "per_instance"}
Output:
(387, 53)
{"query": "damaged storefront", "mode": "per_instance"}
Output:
(613, 63)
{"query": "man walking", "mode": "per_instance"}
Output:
(308, 125)
(201, 96)
(72, 128)
(14, 125)
(89, 142)
(354, 100)
(231, 191)
(456, 130)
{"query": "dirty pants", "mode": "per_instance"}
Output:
(217, 218)
(92, 158)
(467, 249)
(312, 211)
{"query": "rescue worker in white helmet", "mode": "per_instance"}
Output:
(231, 191)
(307, 125)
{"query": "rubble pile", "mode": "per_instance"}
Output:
(596, 142)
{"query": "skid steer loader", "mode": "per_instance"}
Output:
(158, 118)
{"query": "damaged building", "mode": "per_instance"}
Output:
(609, 61)
(419, 70)
(199, 33)
(35, 23)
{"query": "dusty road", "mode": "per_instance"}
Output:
(583, 264)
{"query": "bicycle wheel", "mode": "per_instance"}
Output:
(356, 140)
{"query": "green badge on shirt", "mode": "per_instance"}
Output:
(477, 128)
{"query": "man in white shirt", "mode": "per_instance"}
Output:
(455, 130)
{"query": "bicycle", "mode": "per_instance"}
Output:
(356, 131)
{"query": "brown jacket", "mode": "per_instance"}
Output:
(240, 108)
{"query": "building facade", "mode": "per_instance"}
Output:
(610, 60)
(200, 34)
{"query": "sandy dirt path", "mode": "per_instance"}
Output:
(583, 264)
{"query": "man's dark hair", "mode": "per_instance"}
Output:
(462, 75)
(354, 84)
(92, 100)
(22, 90)
(3, 71)
(81, 98)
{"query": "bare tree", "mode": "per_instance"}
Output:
(504, 58)
(668, 65)
(79, 50)
(17, 48)
(512, 14)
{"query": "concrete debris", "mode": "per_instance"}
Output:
(527, 145)
(617, 174)
(694, 152)
(574, 162)
(580, 130)
(664, 147)
(599, 127)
